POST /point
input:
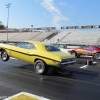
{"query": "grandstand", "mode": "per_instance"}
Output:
(23, 36)
(58, 37)
(3, 36)
(87, 36)
(77, 38)
(82, 38)
(42, 36)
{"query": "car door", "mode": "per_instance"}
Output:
(23, 52)
(81, 50)
(89, 50)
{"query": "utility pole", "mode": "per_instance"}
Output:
(8, 6)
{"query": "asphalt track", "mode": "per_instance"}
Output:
(84, 83)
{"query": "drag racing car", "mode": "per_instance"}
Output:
(86, 50)
(41, 55)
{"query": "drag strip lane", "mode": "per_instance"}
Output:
(29, 72)
(32, 76)
(14, 79)
(47, 86)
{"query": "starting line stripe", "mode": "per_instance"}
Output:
(25, 96)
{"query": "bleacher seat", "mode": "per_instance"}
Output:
(77, 38)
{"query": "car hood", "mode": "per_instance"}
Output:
(62, 55)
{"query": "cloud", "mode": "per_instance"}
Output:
(62, 3)
(50, 6)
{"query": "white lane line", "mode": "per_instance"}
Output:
(85, 66)
(94, 62)
(13, 58)
(25, 96)
(86, 56)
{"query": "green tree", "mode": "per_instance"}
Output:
(2, 27)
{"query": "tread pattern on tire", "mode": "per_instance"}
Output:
(45, 70)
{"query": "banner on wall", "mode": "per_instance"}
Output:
(81, 27)
(43, 28)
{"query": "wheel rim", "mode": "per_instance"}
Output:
(39, 68)
(97, 55)
(73, 53)
(4, 56)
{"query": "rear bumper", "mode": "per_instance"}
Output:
(67, 63)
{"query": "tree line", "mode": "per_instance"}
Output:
(2, 27)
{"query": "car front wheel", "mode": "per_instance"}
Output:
(40, 67)
(4, 56)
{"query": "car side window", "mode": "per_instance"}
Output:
(91, 48)
(26, 45)
(21, 45)
(30, 46)
(52, 48)
(85, 47)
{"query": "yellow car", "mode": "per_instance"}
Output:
(40, 54)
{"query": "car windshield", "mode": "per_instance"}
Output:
(84, 47)
(52, 48)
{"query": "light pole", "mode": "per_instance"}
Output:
(8, 6)
(32, 28)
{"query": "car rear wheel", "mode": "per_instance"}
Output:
(40, 67)
(97, 56)
(75, 54)
(4, 56)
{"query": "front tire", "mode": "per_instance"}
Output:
(4, 56)
(40, 67)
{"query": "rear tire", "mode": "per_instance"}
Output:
(40, 67)
(97, 56)
(75, 54)
(4, 56)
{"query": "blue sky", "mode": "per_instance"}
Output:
(50, 13)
